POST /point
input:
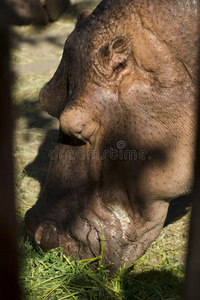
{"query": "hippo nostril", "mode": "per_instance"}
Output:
(71, 124)
(69, 140)
(77, 123)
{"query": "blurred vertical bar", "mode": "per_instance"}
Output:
(9, 288)
(192, 283)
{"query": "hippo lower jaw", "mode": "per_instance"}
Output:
(124, 239)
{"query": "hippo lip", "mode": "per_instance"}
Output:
(47, 234)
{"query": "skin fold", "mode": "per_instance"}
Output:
(125, 95)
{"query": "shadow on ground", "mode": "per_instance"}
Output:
(177, 209)
(153, 285)
(35, 119)
(38, 168)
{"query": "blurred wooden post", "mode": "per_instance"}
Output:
(9, 288)
(192, 286)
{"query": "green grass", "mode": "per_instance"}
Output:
(51, 275)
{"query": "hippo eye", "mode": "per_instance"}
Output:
(120, 66)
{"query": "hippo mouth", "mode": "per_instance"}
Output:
(123, 242)
(76, 211)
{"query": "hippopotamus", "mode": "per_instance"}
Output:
(38, 12)
(125, 95)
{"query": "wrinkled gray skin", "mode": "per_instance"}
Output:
(39, 12)
(129, 74)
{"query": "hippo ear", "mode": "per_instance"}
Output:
(82, 16)
(115, 53)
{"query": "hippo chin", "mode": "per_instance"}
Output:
(125, 94)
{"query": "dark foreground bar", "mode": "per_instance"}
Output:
(9, 288)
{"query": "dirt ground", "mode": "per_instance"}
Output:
(35, 57)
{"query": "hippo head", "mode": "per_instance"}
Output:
(125, 96)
